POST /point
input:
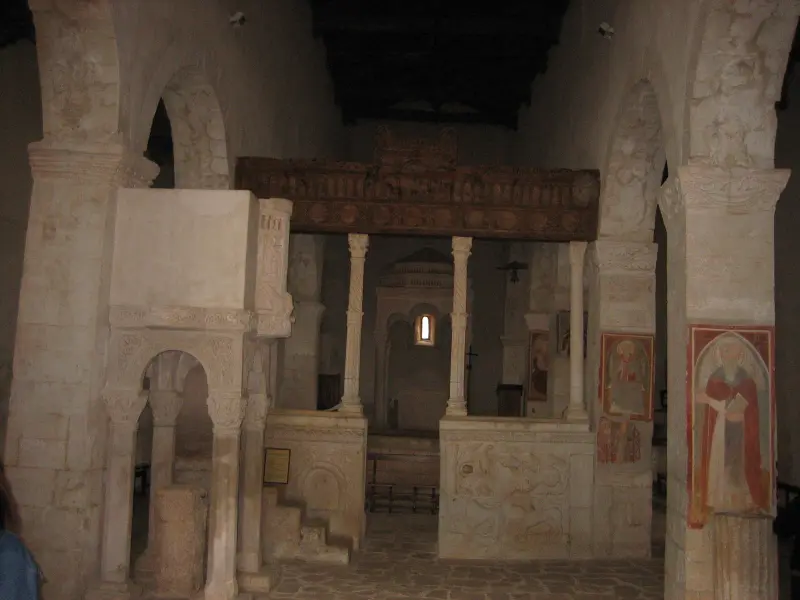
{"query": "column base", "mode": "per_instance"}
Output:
(106, 590)
(225, 591)
(259, 583)
(456, 408)
(577, 415)
(248, 562)
(352, 406)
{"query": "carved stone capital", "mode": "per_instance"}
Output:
(734, 191)
(106, 164)
(256, 412)
(358, 242)
(165, 404)
(124, 405)
(625, 257)
(226, 409)
(577, 252)
(462, 248)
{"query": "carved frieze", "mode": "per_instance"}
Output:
(625, 257)
(274, 305)
(737, 191)
(181, 317)
(427, 197)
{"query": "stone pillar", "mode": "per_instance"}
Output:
(745, 558)
(720, 252)
(165, 404)
(73, 203)
(301, 349)
(124, 408)
(576, 411)
(456, 404)
(226, 409)
(301, 358)
(252, 484)
(621, 301)
(351, 401)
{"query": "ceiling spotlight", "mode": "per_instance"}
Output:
(606, 30)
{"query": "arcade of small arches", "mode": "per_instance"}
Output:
(277, 406)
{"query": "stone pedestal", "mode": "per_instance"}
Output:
(226, 409)
(456, 403)
(351, 401)
(181, 514)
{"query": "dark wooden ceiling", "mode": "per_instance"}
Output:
(436, 60)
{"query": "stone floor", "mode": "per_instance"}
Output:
(399, 562)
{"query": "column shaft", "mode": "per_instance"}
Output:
(227, 411)
(576, 410)
(252, 484)
(456, 404)
(124, 408)
(351, 401)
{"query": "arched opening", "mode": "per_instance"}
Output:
(173, 445)
(187, 137)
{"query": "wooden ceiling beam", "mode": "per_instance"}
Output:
(335, 21)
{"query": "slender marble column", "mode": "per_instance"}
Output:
(124, 408)
(576, 411)
(226, 408)
(252, 484)
(351, 401)
(456, 404)
(165, 404)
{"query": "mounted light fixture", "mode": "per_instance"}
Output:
(514, 267)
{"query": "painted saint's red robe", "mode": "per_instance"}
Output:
(718, 389)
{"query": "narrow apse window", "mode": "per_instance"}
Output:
(424, 330)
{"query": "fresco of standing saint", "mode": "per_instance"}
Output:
(627, 375)
(731, 423)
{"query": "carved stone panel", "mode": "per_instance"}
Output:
(510, 497)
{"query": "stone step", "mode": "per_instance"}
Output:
(254, 586)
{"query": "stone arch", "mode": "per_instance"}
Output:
(632, 177)
(741, 51)
(199, 138)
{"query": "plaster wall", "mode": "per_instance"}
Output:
(487, 310)
(20, 124)
(477, 144)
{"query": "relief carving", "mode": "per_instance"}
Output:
(274, 306)
(506, 500)
(416, 187)
(625, 257)
(738, 190)
(124, 405)
(226, 409)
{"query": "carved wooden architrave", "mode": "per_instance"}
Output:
(417, 188)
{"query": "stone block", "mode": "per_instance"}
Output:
(75, 490)
(180, 541)
(581, 476)
(47, 454)
(45, 426)
(32, 487)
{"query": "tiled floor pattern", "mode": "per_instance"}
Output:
(399, 562)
